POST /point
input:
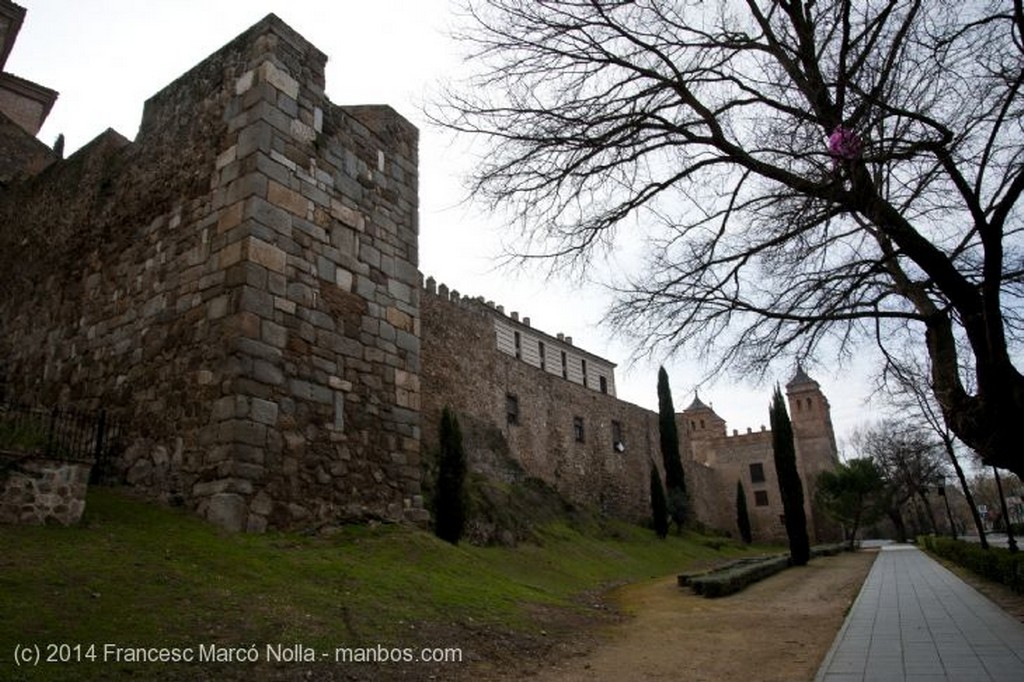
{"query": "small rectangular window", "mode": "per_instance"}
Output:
(583, 369)
(543, 355)
(519, 346)
(604, 384)
(761, 498)
(565, 366)
(757, 472)
(577, 429)
(618, 437)
(512, 409)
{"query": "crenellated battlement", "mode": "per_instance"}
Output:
(515, 336)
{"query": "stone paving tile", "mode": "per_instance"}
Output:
(915, 621)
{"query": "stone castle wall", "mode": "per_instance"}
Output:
(464, 369)
(239, 285)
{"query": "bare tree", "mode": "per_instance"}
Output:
(911, 462)
(810, 175)
(906, 383)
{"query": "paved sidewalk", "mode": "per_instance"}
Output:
(914, 621)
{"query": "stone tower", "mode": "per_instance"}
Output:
(700, 422)
(814, 437)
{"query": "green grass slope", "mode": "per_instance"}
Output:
(137, 575)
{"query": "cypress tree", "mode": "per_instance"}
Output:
(659, 506)
(450, 503)
(790, 487)
(675, 482)
(742, 516)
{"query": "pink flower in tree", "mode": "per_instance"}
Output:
(844, 144)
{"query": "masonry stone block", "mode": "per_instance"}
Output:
(245, 82)
(288, 105)
(267, 373)
(264, 412)
(280, 79)
(227, 510)
(288, 199)
(326, 269)
(255, 137)
(302, 131)
(256, 301)
(311, 229)
(305, 390)
(267, 255)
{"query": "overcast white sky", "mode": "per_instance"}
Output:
(106, 57)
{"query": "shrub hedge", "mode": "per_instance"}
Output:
(736, 575)
(729, 581)
(994, 563)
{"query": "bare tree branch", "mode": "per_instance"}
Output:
(709, 123)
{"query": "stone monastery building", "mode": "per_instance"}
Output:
(239, 285)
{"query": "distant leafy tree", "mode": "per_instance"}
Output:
(675, 481)
(742, 516)
(450, 501)
(790, 487)
(659, 505)
(853, 494)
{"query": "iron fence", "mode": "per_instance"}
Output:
(61, 433)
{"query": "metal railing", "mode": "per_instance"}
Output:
(60, 433)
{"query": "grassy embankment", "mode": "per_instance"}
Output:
(136, 574)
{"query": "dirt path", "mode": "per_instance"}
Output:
(779, 629)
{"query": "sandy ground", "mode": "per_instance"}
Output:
(779, 629)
